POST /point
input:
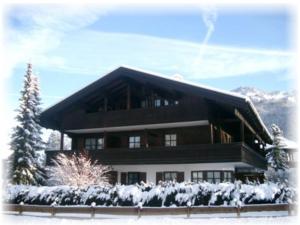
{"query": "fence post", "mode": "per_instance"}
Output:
(20, 209)
(139, 209)
(92, 212)
(289, 209)
(238, 211)
(188, 212)
(52, 210)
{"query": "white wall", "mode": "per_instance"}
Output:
(186, 168)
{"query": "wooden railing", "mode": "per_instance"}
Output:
(148, 211)
(202, 153)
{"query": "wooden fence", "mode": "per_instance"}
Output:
(147, 211)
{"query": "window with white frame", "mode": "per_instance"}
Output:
(134, 142)
(170, 140)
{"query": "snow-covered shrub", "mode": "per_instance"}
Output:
(165, 194)
(77, 170)
(288, 176)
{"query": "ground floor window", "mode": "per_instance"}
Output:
(197, 176)
(211, 176)
(227, 176)
(133, 178)
(170, 176)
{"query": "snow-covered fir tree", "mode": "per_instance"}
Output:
(26, 138)
(276, 156)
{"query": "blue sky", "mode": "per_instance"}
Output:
(71, 46)
(76, 45)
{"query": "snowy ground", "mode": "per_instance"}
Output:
(273, 218)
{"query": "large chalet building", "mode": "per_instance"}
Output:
(152, 128)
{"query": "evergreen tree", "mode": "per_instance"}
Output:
(276, 156)
(26, 137)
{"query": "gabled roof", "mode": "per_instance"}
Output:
(240, 102)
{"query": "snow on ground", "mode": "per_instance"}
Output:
(272, 218)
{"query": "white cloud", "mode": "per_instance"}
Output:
(43, 28)
(103, 51)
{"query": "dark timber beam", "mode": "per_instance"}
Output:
(245, 122)
(211, 133)
(128, 97)
(242, 131)
(146, 139)
(105, 104)
(61, 140)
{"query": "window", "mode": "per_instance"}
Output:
(100, 143)
(94, 143)
(90, 144)
(170, 176)
(170, 140)
(197, 176)
(213, 176)
(166, 102)
(133, 177)
(227, 176)
(157, 103)
(134, 142)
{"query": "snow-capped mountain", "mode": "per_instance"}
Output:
(274, 107)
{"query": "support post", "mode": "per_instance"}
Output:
(242, 131)
(128, 97)
(211, 133)
(104, 139)
(146, 139)
(61, 140)
(105, 104)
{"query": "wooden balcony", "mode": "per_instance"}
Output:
(167, 114)
(203, 153)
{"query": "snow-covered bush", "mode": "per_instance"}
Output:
(77, 170)
(166, 194)
(288, 176)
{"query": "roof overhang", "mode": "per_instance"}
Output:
(50, 116)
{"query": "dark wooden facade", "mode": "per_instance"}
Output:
(128, 103)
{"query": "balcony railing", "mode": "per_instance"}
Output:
(82, 120)
(202, 153)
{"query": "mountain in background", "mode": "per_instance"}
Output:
(276, 107)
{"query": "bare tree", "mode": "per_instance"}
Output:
(78, 170)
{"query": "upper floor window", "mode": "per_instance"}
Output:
(170, 140)
(197, 176)
(94, 143)
(134, 142)
(157, 103)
